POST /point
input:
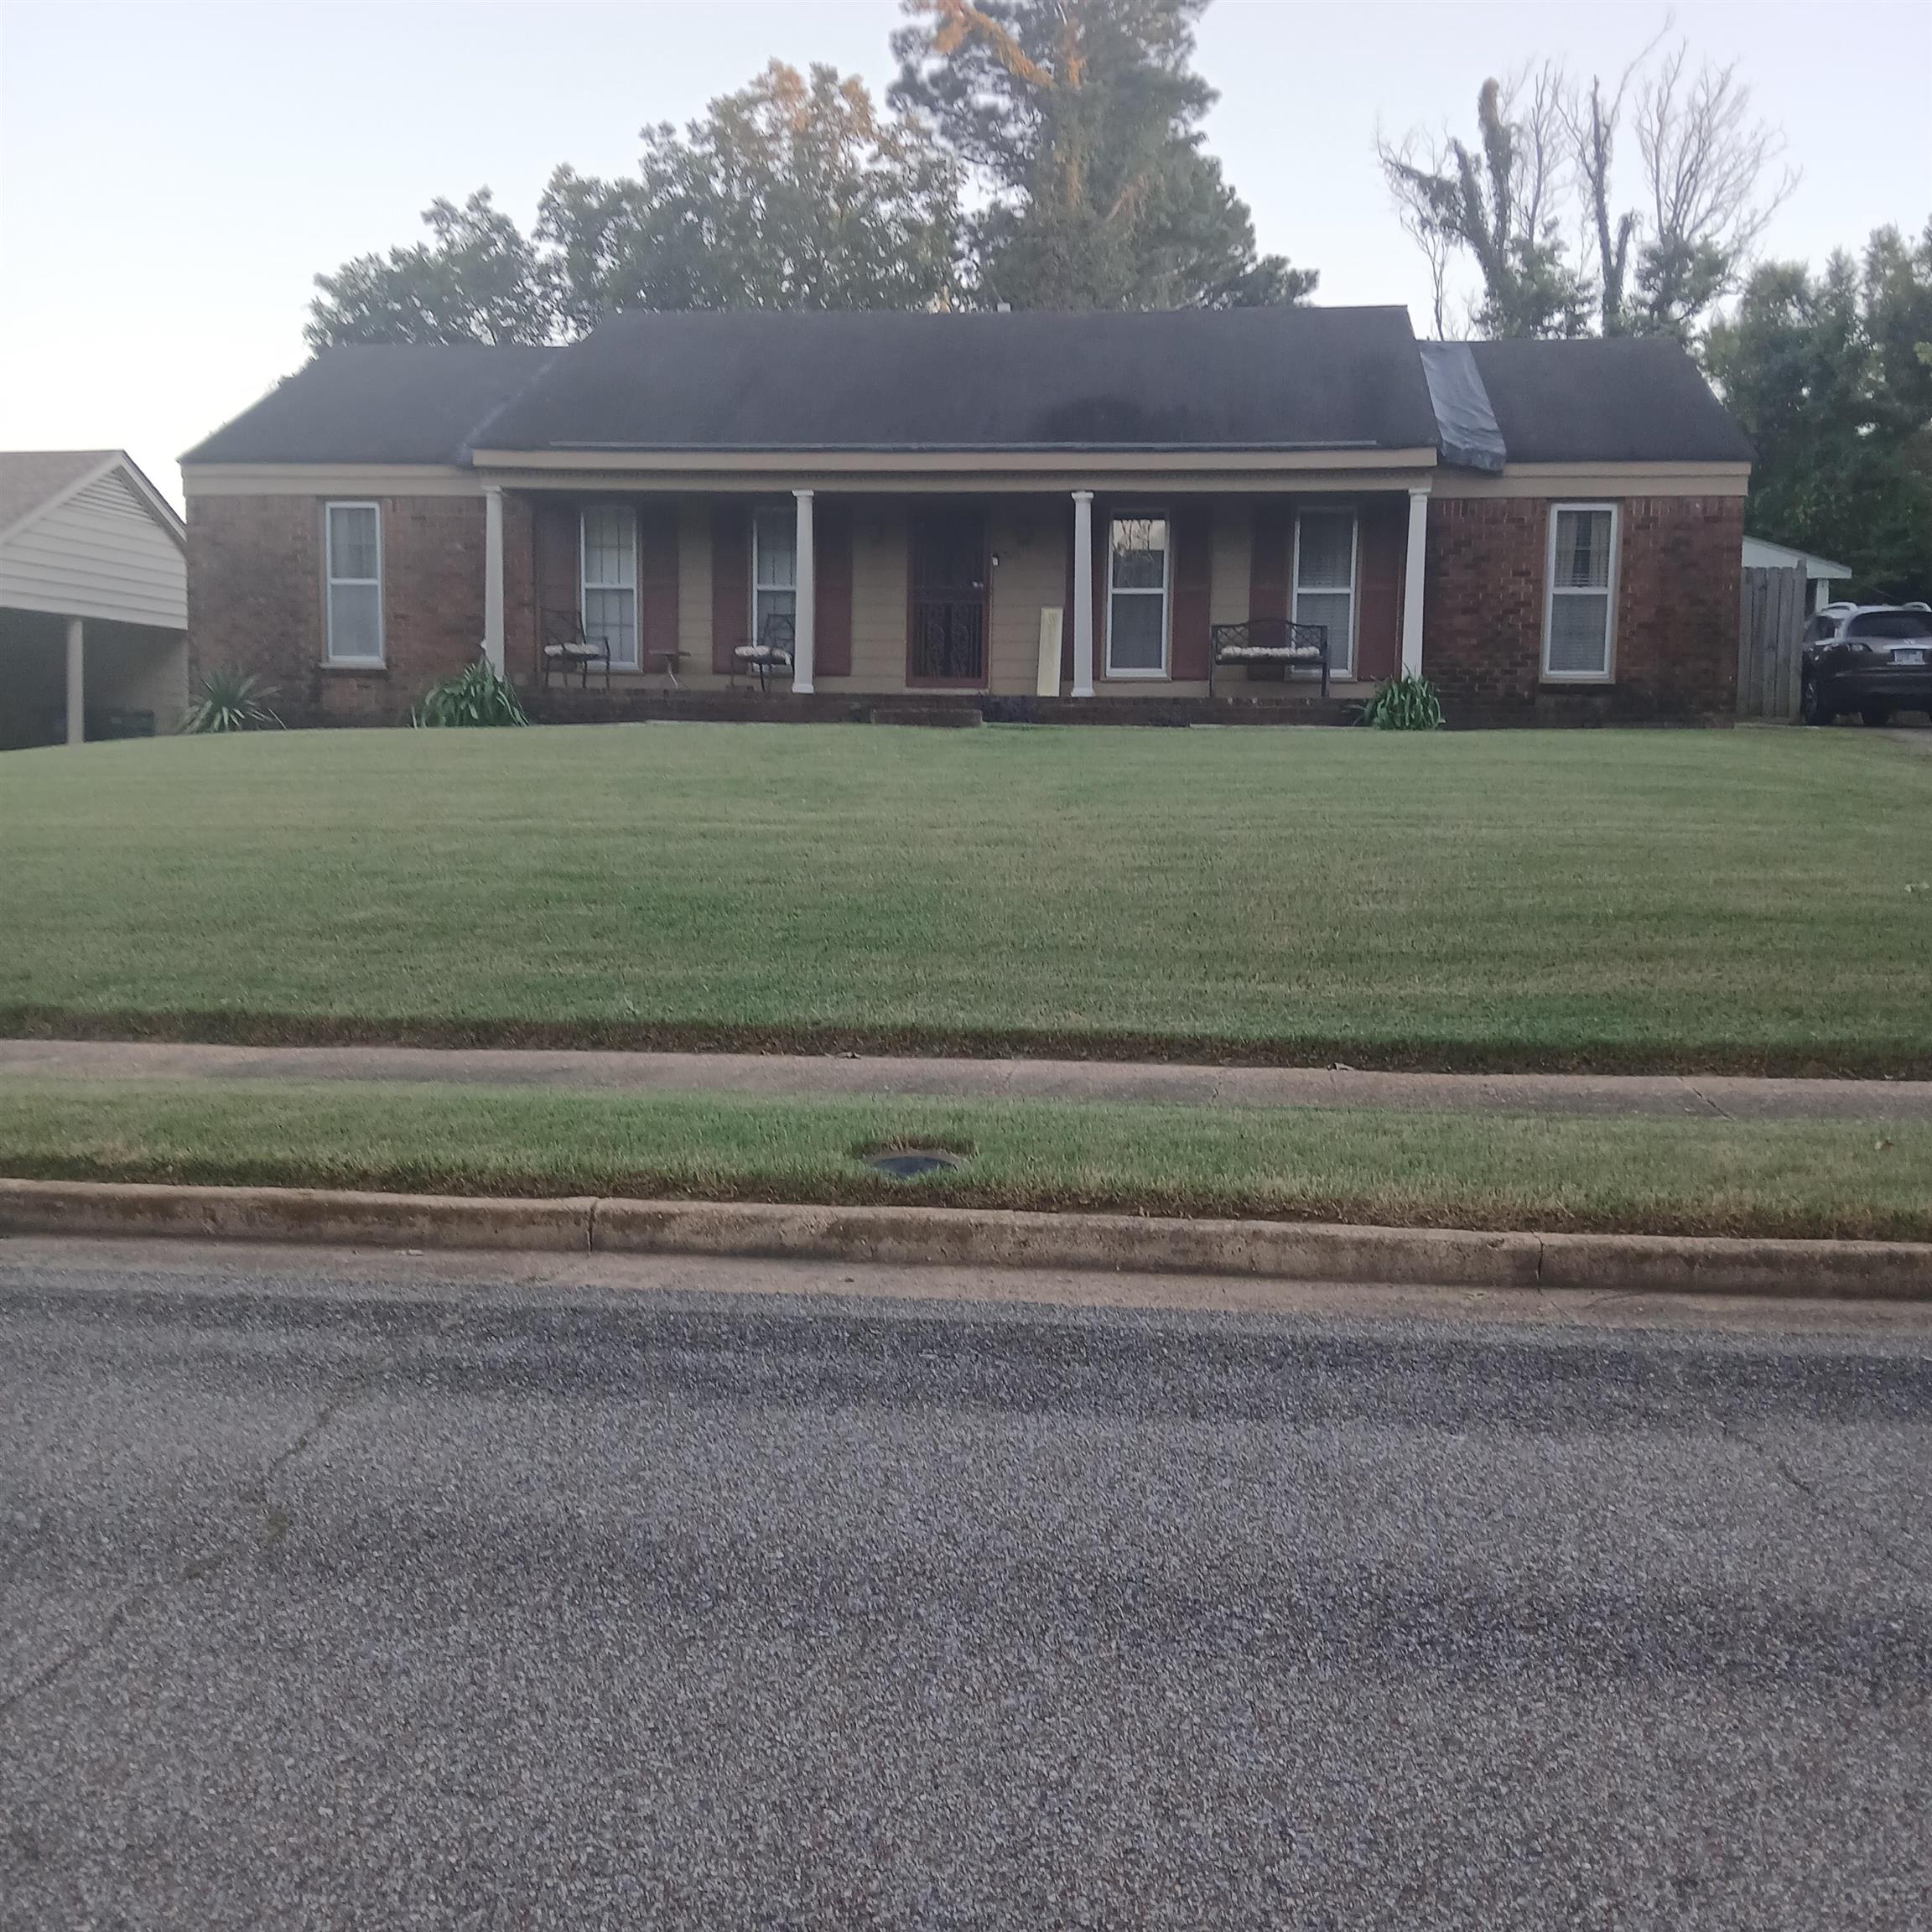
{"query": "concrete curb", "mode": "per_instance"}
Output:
(980, 1237)
(320, 1215)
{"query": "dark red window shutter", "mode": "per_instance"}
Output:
(730, 582)
(1381, 543)
(832, 589)
(1193, 569)
(559, 559)
(657, 578)
(1268, 567)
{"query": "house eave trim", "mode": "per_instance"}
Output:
(1053, 460)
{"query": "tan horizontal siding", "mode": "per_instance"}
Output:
(1029, 539)
(879, 595)
(101, 554)
(1234, 548)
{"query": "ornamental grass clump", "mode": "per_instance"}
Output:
(1403, 704)
(475, 697)
(231, 700)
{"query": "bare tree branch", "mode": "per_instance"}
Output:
(1706, 166)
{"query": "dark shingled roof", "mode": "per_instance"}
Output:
(1239, 379)
(1194, 379)
(378, 402)
(1626, 399)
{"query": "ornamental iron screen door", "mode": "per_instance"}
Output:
(948, 643)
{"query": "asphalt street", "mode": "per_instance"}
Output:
(345, 1592)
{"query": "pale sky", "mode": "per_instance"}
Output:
(172, 176)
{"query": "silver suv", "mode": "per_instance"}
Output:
(1871, 658)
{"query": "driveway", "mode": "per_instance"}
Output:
(384, 1591)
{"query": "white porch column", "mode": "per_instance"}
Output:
(1412, 584)
(77, 685)
(803, 617)
(1082, 593)
(493, 575)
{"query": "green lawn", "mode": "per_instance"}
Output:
(1733, 899)
(1799, 1178)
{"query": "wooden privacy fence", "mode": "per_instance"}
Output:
(1770, 635)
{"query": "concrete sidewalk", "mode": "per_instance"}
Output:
(1598, 1095)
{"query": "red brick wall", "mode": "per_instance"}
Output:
(255, 600)
(1676, 654)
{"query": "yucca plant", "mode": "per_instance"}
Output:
(1403, 704)
(475, 697)
(231, 700)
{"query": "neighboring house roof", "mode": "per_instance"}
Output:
(86, 535)
(378, 402)
(1285, 379)
(1619, 399)
(31, 479)
(1761, 555)
(1288, 379)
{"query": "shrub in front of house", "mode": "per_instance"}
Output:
(475, 697)
(1403, 704)
(231, 700)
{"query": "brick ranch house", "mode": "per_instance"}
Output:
(916, 505)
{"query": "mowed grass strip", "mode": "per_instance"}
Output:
(1804, 1179)
(1716, 901)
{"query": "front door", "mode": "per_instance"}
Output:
(949, 614)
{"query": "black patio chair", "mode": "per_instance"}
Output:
(566, 649)
(772, 653)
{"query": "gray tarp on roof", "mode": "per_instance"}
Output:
(378, 402)
(1283, 378)
(1465, 431)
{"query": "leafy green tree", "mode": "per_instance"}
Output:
(1079, 121)
(1831, 378)
(480, 281)
(793, 193)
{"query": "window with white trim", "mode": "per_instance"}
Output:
(775, 576)
(1577, 626)
(1137, 578)
(353, 542)
(610, 581)
(1325, 581)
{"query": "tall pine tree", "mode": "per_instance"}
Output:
(1081, 118)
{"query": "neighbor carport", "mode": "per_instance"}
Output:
(93, 600)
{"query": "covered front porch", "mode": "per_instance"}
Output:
(607, 598)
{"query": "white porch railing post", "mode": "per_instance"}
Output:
(493, 575)
(1082, 593)
(76, 684)
(1412, 584)
(802, 622)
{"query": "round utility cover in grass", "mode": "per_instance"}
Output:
(909, 1163)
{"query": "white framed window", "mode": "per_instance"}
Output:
(1579, 606)
(609, 580)
(1325, 581)
(775, 576)
(353, 542)
(1137, 575)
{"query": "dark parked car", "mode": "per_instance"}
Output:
(1871, 658)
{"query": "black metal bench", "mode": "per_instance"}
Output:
(1271, 642)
